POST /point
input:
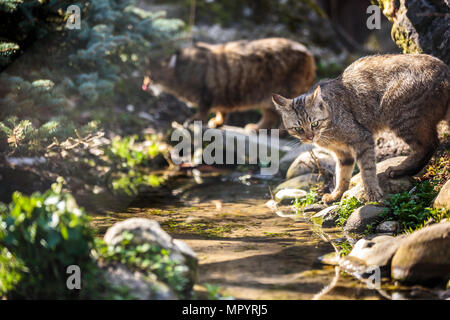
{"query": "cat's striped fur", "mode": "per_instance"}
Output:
(237, 76)
(408, 94)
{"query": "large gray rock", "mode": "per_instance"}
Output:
(388, 185)
(420, 26)
(305, 182)
(288, 158)
(424, 257)
(306, 164)
(381, 168)
(136, 285)
(362, 217)
(443, 198)
(377, 252)
(149, 231)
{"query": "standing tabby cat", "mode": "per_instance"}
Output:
(237, 76)
(408, 94)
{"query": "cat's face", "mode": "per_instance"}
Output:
(305, 117)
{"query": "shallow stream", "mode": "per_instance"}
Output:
(243, 246)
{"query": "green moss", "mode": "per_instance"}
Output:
(277, 234)
(203, 228)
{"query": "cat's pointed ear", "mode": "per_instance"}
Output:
(317, 93)
(281, 103)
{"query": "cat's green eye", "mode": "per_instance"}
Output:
(314, 124)
(299, 130)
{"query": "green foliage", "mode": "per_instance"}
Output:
(412, 210)
(310, 198)
(290, 12)
(148, 259)
(72, 71)
(128, 161)
(23, 138)
(345, 247)
(40, 236)
(346, 208)
(128, 154)
(213, 292)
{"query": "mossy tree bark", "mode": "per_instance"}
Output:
(419, 26)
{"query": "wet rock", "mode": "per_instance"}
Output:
(377, 252)
(136, 285)
(388, 227)
(305, 163)
(424, 257)
(286, 196)
(272, 205)
(312, 208)
(149, 231)
(443, 198)
(326, 217)
(304, 182)
(362, 217)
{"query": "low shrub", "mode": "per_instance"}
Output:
(413, 209)
(40, 236)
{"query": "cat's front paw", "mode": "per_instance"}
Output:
(375, 195)
(330, 197)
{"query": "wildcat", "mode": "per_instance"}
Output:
(406, 93)
(236, 76)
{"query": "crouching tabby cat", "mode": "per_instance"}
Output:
(408, 94)
(237, 76)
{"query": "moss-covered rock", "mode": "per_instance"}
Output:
(419, 26)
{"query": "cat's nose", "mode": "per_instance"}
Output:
(310, 137)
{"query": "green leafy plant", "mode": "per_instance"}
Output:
(345, 247)
(40, 236)
(310, 198)
(412, 209)
(213, 292)
(146, 258)
(346, 208)
(129, 162)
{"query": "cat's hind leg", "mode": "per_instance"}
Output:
(423, 141)
(269, 120)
